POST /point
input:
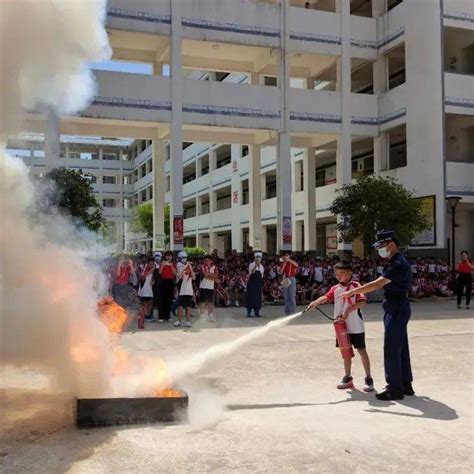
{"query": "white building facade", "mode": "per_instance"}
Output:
(258, 111)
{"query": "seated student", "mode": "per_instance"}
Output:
(416, 291)
(315, 291)
(443, 288)
(299, 294)
(307, 293)
(275, 292)
(222, 296)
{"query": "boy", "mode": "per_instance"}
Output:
(186, 293)
(349, 310)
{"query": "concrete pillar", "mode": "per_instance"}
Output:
(199, 240)
(212, 161)
(344, 141)
(158, 157)
(236, 197)
(158, 68)
(264, 239)
(298, 236)
(284, 204)
(379, 7)
(52, 140)
(198, 167)
(255, 198)
(309, 188)
(255, 78)
(176, 137)
(380, 153)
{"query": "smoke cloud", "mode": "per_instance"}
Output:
(48, 304)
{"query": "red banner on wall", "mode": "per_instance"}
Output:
(178, 230)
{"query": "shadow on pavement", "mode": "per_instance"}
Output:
(428, 407)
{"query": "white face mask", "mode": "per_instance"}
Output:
(383, 252)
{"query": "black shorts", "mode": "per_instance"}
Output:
(357, 340)
(206, 296)
(185, 301)
(144, 299)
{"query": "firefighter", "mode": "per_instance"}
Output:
(396, 281)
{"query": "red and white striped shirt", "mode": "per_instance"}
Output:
(355, 323)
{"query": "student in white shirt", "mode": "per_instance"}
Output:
(186, 292)
(206, 287)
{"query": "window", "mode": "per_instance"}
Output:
(398, 147)
(245, 192)
(186, 145)
(220, 76)
(108, 202)
(143, 170)
(127, 179)
(271, 187)
(85, 156)
(168, 184)
(126, 203)
(245, 150)
(109, 156)
(392, 4)
(150, 166)
(143, 196)
(91, 178)
(320, 178)
(75, 155)
(108, 180)
(270, 81)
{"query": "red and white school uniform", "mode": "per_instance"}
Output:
(354, 322)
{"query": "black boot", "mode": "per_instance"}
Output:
(388, 395)
(408, 389)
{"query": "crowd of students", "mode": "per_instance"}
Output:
(176, 285)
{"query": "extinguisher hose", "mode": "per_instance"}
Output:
(321, 311)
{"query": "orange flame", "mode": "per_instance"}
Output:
(114, 318)
(112, 314)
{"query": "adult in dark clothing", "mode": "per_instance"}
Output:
(166, 288)
(464, 279)
(396, 282)
(156, 284)
(253, 298)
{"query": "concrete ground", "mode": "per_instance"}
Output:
(272, 407)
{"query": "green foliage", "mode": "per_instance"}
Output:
(73, 196)
(142, 219)
(195, 252)
(374, 203)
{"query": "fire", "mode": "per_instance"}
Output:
(114, 317)
(112, 314)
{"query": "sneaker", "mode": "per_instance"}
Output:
(210, 317)
(468, 307)
(161, 320)
(177, 324)
(369, 384)
(237, 304)
(408, 389)
(346, 383)
(188, 324)
(387, 395)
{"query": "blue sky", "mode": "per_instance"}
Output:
(127, 66)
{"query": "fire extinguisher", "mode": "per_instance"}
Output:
(343, 340)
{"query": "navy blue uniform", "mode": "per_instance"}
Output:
(397, 313)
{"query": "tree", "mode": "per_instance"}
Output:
(374, 203)
(72, 195)
(142, 220)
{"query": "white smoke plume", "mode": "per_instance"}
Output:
(44, 49)
(47, 302)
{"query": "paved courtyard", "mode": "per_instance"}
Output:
(273, 407)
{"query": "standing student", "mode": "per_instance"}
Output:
(288, 269)
(120, 281)
(145, 286)
(348, 309)
(396, 282)
(186, 276)
(166, 290)
(253, 299)
(464, 279)
(156, 284)
(206, 287)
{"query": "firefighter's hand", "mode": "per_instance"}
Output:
(344, 315)
(347, 294)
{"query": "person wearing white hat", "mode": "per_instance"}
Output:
(253, 298)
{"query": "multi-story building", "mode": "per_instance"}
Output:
(258, 111)
(106, 162)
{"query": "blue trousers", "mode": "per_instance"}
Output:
(396, 351)
(289, 295)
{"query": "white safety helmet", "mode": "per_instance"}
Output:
(258, 255)
(182, 254)
(157, 256)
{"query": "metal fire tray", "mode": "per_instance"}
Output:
(96, 412)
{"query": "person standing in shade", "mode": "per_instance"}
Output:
(288, 269)
(156, 285)
(253, 298)
(166, 290)
(396, 282)
(120, 282)
(210, 275)
(464, 279)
